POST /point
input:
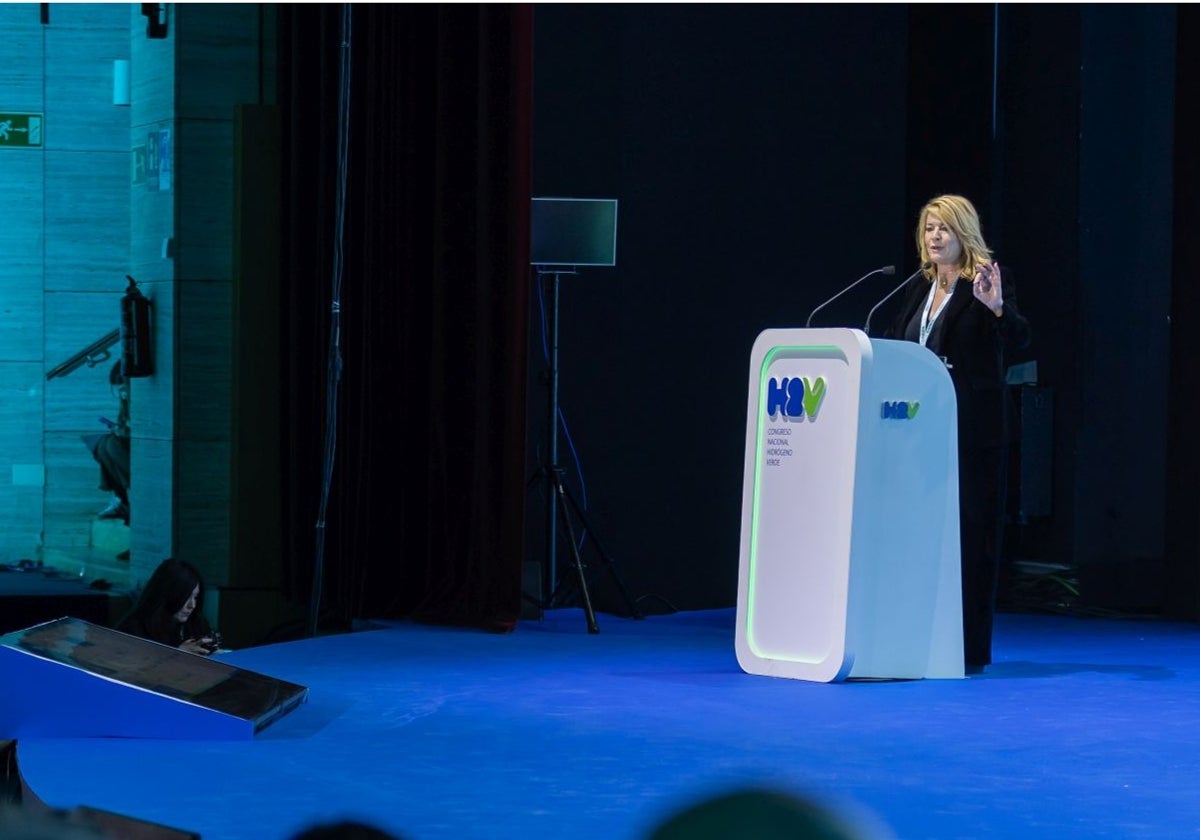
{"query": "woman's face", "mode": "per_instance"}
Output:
(190, 604)
(941, 242)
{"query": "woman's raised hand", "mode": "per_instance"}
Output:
(987, 287)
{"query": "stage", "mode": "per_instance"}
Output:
(1082, 728)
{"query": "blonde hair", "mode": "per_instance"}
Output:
(960, 215)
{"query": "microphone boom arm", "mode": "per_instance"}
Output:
(887, 269)
(888, 296)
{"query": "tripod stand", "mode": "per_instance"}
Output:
(559, 501)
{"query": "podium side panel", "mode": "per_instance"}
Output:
(905, 601)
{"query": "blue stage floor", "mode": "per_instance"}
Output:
(1082, 728)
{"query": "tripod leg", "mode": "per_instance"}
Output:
(604, 555)
(535, 477)
(581, 578)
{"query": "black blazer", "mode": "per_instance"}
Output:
(973, 342)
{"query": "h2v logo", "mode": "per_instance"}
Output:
(899, 410)
(795, 397)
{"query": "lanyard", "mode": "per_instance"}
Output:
(928, 321)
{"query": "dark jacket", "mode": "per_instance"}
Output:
(973, 342)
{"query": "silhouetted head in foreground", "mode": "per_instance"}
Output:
(345, 830)
(766, 815)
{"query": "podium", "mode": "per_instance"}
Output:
(849, 561)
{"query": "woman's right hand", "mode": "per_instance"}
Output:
(200, 646)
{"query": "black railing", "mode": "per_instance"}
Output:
(92, 355)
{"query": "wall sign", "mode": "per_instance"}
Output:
(20, 130)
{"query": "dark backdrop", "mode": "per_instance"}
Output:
(427, 391)
(1183, 488)
(758, 154)
(765, 156)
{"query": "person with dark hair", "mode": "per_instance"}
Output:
(962, 310)
(111, 451)
(170, 610)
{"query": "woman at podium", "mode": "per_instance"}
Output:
(962, 307)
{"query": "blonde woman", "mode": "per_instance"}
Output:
(962, 307)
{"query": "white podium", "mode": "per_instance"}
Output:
(849, 561)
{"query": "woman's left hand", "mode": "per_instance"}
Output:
(987, 287)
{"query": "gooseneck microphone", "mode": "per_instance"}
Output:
(887, 297)
(887, 269)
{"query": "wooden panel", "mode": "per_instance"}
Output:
(73, 495)
(20, 292)
(142, 564)
(152, 71)
(202, 370)
(269, 60)
(255, 531)
(73, 321)
(204, 206)
(80, 114)
(217, 57)
(110, 537)
(21, 234)
(203, 507)
(153, 210)
(20, 413)
(152, 215)
(21, 311)
(151, 498)
(20, 521)
(20, 429)
(66, 229)
(21, 70)
(90, 16)
(21, 245)
(152, 398)
(87, 221)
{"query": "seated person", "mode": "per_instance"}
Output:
(111, 451)
(170, 610)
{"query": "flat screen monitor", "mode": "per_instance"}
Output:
(574, 231)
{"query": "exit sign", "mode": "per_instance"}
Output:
(20, 130)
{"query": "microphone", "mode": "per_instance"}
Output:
(907, 280)
(887, 269)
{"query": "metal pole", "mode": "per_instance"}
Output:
(552, 444)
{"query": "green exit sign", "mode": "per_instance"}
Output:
(20, 130)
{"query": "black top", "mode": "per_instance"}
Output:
(973, 341)
(170, 632)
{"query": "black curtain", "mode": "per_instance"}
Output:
(426, 501)
(950, 141)
(1183, 477)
